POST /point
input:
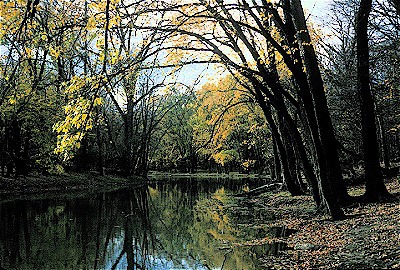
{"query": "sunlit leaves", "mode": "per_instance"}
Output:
(78, 115)
(233, 127)
(226, 156)
(72, 129)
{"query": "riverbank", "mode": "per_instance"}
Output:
(83, 183)
(205, 175)
(368, 239)
(57, 185)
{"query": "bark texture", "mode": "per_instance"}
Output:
(375, 187)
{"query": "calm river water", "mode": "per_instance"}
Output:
(179, 224)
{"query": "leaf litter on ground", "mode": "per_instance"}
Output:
(368, 239)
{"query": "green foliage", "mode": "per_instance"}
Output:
(226, 156)
(174, 141)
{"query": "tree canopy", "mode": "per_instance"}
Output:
(117, 86)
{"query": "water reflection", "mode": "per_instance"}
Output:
(175, 225)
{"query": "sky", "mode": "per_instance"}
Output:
(317, 8)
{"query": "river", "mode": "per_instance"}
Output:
(182, 223)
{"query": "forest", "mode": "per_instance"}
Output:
(128, 87)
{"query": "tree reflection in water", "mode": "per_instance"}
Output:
(161, 226)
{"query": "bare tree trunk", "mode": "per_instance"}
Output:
(290, 152)
(295, 138)
(375, 187)
(331, 182)
(289, 182)
(384, 143)
(100, 161)
(396, 5)
(277, 164)
(128, 136)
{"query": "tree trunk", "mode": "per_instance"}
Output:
(311, 122)
(291, 185)
(100, 161)
(375, 187)
(384, 143)
(397, 146)
(277, 164)
(290, 153)
(16, 147)
(272, 80)
(295, 135)
(25, 153)
(128, 136)
(331, 182)
(396, 5)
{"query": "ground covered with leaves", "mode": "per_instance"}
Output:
(368, 239)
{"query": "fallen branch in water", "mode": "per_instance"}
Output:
(260, 190)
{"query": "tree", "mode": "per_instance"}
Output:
(339, 72)
(81, 57)
(117, 62)
(331, 179)
(173, 145)
(396, 5)
(241, 38)
(32, 41)
(339, 61)
(229, 128)
(375, 187)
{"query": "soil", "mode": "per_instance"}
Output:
(368, 239)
